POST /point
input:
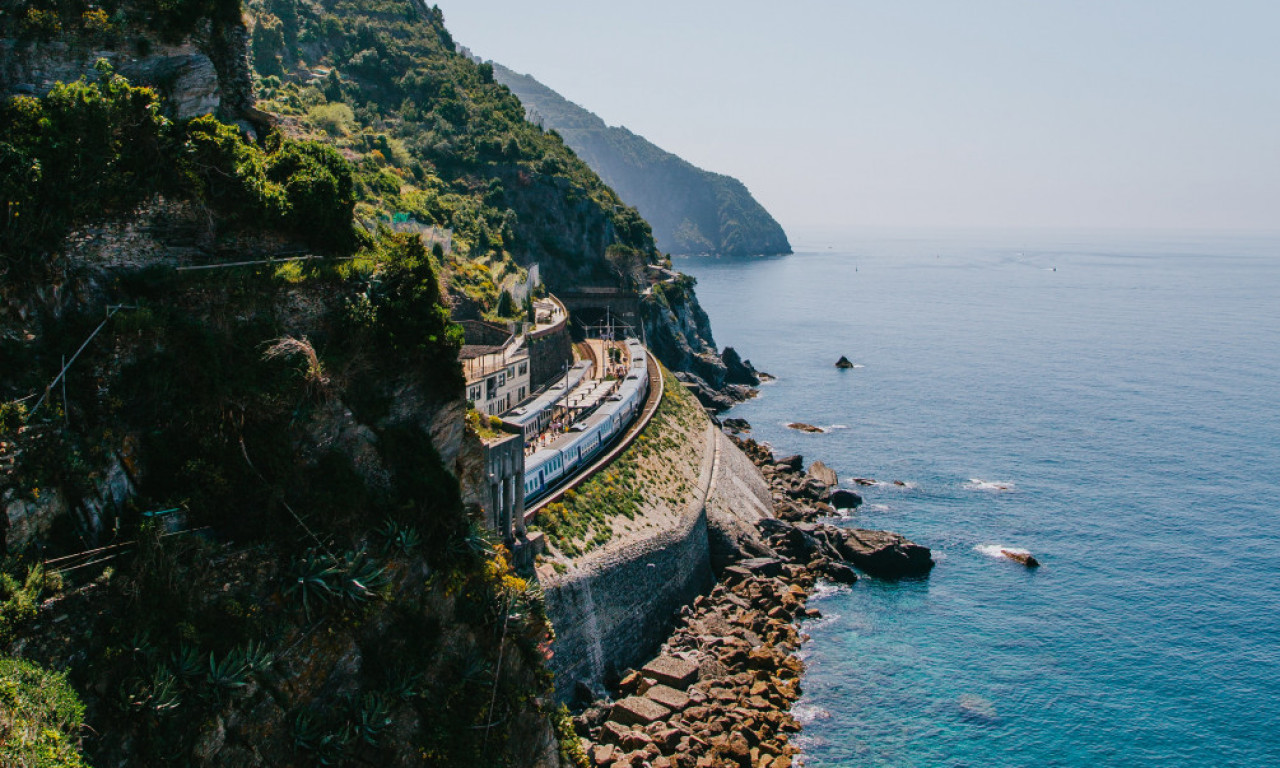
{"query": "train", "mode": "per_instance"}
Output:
(545, 468)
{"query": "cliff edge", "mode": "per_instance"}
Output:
(691, 210)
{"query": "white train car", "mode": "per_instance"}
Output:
(534, 416)
(548, 466)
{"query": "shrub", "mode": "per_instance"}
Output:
(40, 717)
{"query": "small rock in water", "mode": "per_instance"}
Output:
(843, 362)
(1026, 558)
(864, 480)
(800, 425)
(845, 499)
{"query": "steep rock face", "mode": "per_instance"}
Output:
(691, 210)
(205, 73)
(678, 330)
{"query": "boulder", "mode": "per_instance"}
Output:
(884, 553)
(637, 710)
(761, 566)
(790, 463)
(672, 671)
(842, 498)
(668, 697)
(843, 362)
(737, 425)
(823, 473)
(839, 573)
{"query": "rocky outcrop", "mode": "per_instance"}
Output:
(206, 73)
(843, 362)
(737, 370)
(800, 499)
(711, 399)
(800, 426)
(1024, 558)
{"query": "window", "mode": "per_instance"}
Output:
(502, 378)
(473, 394)
(524, 368)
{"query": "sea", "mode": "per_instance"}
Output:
(1107, 401)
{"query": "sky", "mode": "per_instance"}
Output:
(844, 114)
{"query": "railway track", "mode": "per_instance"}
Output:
(620, 443)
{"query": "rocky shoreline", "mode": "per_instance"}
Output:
(720, 690)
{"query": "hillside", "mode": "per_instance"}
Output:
(232, 525)
(690, 210)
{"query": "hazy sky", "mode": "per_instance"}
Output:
(848, 113)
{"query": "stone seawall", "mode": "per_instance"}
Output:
(614, 607)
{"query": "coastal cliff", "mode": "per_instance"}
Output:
(691, 210)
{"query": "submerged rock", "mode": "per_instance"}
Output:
(801, 426)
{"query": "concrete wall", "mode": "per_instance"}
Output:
(550, 352)
(614, 607)
(610, 616)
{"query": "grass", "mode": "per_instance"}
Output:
(653, 467)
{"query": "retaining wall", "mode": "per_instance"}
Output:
(613, 608)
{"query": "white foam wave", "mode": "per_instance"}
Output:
(834, 427)
(998, 550)
(808, 713)
(978, 484)
(879, 507)
(825, 589)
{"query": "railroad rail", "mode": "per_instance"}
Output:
(621, 444)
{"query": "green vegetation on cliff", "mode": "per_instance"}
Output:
(691, 210)
(268, 559)
(40, 717)
(438, 141)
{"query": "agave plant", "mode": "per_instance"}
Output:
(404, 539)
(307, 731)
(372, 718)
(257, 658)
(229, 676)
(405, 683)
(313, 580)
(157, 694)
(362, 577)
(310, 734)
(187, 662)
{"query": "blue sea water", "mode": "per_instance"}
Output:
(1109, 402)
